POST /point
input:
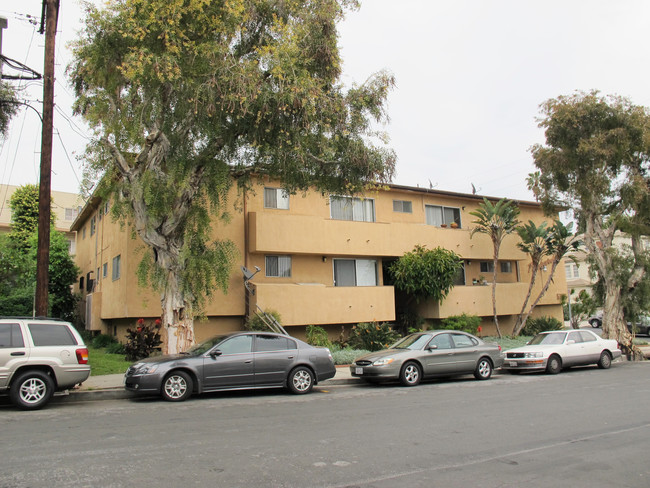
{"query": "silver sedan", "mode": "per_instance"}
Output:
(430, 354)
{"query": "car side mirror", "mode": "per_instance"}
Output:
(570, 341)
(432, 347)
(215, 353)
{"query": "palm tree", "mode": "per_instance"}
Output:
(496, 221)
(559, 242)
(534, 243)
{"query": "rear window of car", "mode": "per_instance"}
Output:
(51, 335)
(272, 343)
(463, 341)
(11, 336)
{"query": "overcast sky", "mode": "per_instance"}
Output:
(470, 77)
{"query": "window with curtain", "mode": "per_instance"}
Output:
(355, 272)
(350, 208)
(437, 215)
(276, 198)
(278, 266)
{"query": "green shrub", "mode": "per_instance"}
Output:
(142, 341)
(540, 324)
(115, 348)
(346, 356)
(256, 323)
(317, 336)
(464, 322)
(103, 340)
(372, 336)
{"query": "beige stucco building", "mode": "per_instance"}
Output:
(323, 261)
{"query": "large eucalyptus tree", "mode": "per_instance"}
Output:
(596, 161)
(187, 96)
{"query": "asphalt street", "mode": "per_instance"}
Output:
(583, 428)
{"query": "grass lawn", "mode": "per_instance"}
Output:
(103, 363)
(508, 342)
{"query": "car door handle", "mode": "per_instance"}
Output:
(248, 362)
(290, 357)
(18, 353)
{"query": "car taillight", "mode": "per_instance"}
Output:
(82, 356)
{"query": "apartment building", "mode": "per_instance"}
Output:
(323, 261)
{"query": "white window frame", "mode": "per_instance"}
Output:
(443, 218)
(402, 206)
(71, 214)
(276, 198)
(365, 272)
(278, 266)
(117, 267)
(352, 208)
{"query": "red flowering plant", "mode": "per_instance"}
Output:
(143, 340)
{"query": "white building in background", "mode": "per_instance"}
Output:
(66, 207)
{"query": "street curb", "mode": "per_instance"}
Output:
(119, 393)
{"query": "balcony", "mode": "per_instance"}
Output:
(477, 300)
(303, 234)
(317, 304)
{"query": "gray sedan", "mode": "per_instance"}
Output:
(430, 354)
(245, 360)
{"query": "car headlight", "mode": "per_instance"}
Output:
(534, 355)
(145, 368)
(383, 361)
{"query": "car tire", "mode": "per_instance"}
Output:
(410, 374)
(177, 386)
(595, 323)
(300, 381)
(483, 369)
(554, 364)
(605, 360)
(31, 390)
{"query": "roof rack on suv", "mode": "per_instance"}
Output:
(19, 317)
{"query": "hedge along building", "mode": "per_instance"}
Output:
(323, 261)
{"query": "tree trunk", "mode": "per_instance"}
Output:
(614, 326)
(494, 287)
(177, 316)
(521, 322)
(598, 241)
(544, 289)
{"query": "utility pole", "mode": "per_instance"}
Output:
(51, 8)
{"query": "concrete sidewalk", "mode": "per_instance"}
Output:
(111, 386)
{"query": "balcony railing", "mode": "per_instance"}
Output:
(317, 304)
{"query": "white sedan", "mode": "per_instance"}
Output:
(554, 350)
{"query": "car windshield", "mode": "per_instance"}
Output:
(205, 346)
(548, 339)
(414, 341)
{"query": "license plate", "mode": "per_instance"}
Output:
(513, 364)
(358, 370)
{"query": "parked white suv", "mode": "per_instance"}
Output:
(39, 356)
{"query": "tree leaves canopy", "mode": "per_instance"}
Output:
(186, 96)
(426, 273)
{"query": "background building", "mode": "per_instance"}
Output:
(66, 207)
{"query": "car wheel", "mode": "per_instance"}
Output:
(411, 374)
(177, 386)
(301, 380)
(31, 390)
(483, 369)
(554, 365)
(595, 323)
(605, 360)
